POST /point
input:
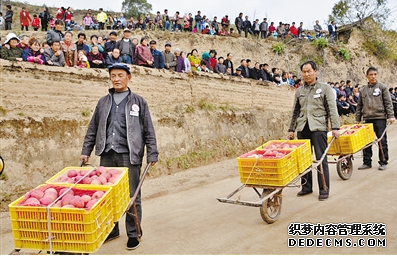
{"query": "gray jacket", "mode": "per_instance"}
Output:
(374, 102)
(314, 104)
(56, 60)
(140, 130)
(170, 60)
(54, 35)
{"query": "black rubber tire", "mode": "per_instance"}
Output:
(345, 167)
(271, 207)
(1, 165)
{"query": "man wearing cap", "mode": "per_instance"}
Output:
(119, 147)
(238, 73)
(110, 44)
(126, 47)
(158, 59)
(169, 58)
(10, 51)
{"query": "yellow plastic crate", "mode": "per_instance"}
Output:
(267, 172)
(304, 151)
(120, 194)
(73, 230)
(347, 144)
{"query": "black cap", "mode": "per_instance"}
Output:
(239, 69)
(120, 67)
(113, 33)
(168, 44)
(152, 42)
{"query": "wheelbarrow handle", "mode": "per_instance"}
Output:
(132, 201)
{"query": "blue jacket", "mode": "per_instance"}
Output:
(158, 59)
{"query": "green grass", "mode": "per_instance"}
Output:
(3, 176)
(204, 105)
(321, 43)
(278, 47)
(86, 112)
(344, 53)
(3, 111)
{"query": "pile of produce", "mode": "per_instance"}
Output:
(100, 176)
(73, 198)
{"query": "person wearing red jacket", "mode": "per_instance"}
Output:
(35, 22)
(143, 56)
(24, 18)
(293, 30)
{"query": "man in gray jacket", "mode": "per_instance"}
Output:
(120, 129)
(374, 106)
(263, 27)
(169, 58)
(314, 104)
(54, 55)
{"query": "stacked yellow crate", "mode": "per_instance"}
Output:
(72, 230)
(120, 194)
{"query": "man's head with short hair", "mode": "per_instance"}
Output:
(116, 53)
(56, 45)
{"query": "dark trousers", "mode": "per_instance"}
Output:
(379, 127)
(27, 28)
(44, 26)
(318, 140)
(8, 25)
(263, 34)
(113, 159)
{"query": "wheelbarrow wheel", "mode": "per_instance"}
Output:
(345, 167)
(271, 207)
(1, 165)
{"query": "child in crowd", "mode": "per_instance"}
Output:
(35, 22)
(82, 61)
(34, 53)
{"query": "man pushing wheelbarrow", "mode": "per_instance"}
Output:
(120, 129)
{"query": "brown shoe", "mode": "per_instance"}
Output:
(302, 193)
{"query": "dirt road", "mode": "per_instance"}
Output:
(182, 216)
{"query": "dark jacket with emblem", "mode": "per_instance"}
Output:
(374, 102)
(140, 130)
(314, 104)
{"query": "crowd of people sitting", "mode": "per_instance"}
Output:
(166, 22)
(346, 96)
(59, 49)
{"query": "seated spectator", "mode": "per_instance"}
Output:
(309, 36)
(256, 72)
(343, 106)
(143, 56)
(82, 60)
(203, 66)
(73, 25)
(206, 30)
(238, 73)
(87, 21)
(140, 25)
(113, 58)
(298, 83)
(35, 53)
(54, 55)
(277, 79)
(23, 42)
(352, 103)
(94, 42)
(180, 62)
(194, 59)
(244, 68)
(158, 59)
(10, 51)
(220, 67)
(284, 78)
(80, 43)
(266, 76)
(95, 58)
(69, 50)
(188, 67)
